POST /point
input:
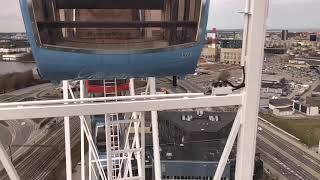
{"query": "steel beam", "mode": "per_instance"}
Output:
(71, 109)
(65, 87)
(155, 134)
(100, 99)
(108, 147)
(83, 166)
(249, 118)
(136, 131)
(7, 164)
(228, 147)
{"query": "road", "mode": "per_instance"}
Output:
(39, 161)
(17, 132)
(20, 130)
(291, 161)
(308, 93)
(295, 162)
(283, 164)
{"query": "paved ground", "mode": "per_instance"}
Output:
(18, 131)
(5, 136)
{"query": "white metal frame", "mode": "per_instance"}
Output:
(244, 126)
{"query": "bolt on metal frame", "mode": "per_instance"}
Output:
(244, 126)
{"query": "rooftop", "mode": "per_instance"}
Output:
(210, 150)
(271, 85)
(313, 101)
(285, 109)
(281, 102)
(207, 122)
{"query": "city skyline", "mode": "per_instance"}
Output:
(224, 14)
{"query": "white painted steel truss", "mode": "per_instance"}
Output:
(244, 126)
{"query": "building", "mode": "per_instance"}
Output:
(281, 107)
(230, 56)
(264, 102)
(14, 46)
(209, 53)
(230, 52)
(313, 37)
(14, 57)
(275, 50)
(185, 126)
(280, 103)
(297, 64)
(271, 89)
(192, 143)
(233, 44)
(283, 111)
(196, 160)
(284, 35)
(307, 108)
(15, 50)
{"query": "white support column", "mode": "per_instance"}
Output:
(90, 164)
(108, 147)
(143, 145)
(67, 135)
(83, 166)
(245, 33)
(249, 118)
(228, 147)
(136, 130)
(155, 133)
(7, 164)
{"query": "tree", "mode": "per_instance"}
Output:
(283, 81)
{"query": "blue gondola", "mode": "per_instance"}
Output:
(106, 39)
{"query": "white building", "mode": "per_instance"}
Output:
(271, 89)
(283, 111)
(281, 107)
(309, 110)
(230, 55)
(209, 54)
(280, 103)
(13, 57)
(15, 50)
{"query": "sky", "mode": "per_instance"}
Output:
(283, 14)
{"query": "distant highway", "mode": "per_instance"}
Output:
(289, 160)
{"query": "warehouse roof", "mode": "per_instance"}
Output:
(209, 150)
(207, 122)
(281, 102)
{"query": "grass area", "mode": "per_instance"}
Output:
(306, 129)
